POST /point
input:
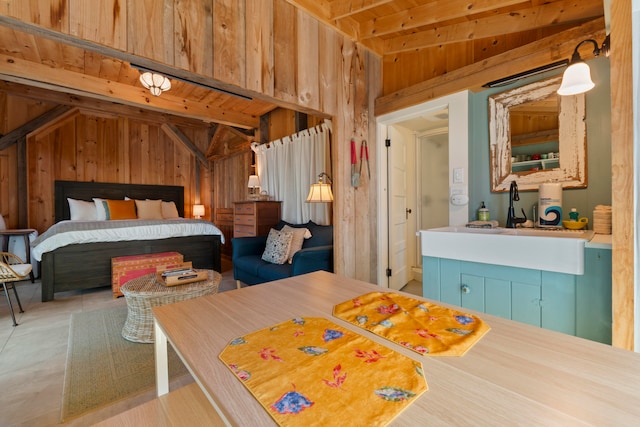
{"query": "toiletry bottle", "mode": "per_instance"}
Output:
(573, 215)
(483, 213)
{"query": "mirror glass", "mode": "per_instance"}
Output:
(537, 136)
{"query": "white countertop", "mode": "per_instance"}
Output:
(599, 241)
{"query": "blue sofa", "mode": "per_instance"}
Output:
(316, 254)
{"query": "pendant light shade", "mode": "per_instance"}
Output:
(156, 83)
(320, 192)
(576, 79)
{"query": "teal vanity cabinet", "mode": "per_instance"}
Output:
(573, 304)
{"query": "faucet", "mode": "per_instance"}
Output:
(512, 219)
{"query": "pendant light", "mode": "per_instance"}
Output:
(577, 77)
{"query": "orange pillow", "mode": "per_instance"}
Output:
(122, 209)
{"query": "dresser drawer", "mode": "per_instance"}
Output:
(244, 220)
(244, 231)
(245, 208)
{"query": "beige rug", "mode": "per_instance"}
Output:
(104, 368)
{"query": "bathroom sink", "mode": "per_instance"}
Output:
(539, 249)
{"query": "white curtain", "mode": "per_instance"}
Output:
(287, 167)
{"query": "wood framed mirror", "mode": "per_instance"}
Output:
(528, 146)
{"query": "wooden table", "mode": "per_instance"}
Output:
(516, 375)
(24, 232)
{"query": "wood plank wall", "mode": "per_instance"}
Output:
(265, 46)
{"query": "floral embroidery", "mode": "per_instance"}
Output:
(388, 309)
(464, 320)
(394, 394)
(313, 350)
(269, 353)
(370, 356)
(338, 379)
(331, 334)
(241, 373)
(459, 331)
(292, 402)
(298, 321)
(424, 333)
(362, 319)
(238, 341)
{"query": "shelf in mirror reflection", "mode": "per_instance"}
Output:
(528, 165)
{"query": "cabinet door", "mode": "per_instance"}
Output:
(525, 303)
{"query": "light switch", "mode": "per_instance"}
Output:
(458, 175)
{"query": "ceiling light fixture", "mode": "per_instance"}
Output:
(156, 83)
(144, 70)
(577, 78)
(515, 77)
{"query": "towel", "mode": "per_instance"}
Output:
(483, 224)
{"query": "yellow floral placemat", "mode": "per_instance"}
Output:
(311, 371)
(418, 325)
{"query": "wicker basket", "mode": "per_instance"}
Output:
(145, 292)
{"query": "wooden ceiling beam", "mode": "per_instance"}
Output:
(340, 9)
(429, 14)
(21, 132)
(93, 106)
(472, 77)
(57, 79)
(526, 19)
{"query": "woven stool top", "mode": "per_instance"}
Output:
(148, 285)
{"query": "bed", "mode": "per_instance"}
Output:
(88, 265)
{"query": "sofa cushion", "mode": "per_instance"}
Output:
(321, 235)
(277, 248)
(299, 234)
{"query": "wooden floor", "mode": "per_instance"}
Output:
(33, 354)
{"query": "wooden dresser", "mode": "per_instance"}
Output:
(255, 218)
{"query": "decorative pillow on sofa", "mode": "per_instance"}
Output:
(81, 210)
(121, 209)
(299, 234)
(276, 250)
(149, 209)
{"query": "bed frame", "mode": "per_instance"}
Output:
(88, 265)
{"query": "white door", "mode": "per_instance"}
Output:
(398, 211)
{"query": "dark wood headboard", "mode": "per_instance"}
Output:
(106, 190)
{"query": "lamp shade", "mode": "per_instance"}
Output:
(576, 79)
(254, 181)
(320, 193)
(156, 83)
(198, 211)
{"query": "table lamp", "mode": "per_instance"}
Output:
(198, 211)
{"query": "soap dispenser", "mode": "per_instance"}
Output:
(483, 213)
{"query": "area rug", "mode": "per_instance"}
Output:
(104, 368)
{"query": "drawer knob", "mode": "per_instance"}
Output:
(465, 289)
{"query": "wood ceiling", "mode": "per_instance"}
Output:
(393, 26)
(37, 65)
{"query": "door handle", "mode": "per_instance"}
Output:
(407, 211)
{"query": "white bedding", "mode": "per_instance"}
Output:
(66, 233)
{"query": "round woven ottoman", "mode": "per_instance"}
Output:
(145, 292)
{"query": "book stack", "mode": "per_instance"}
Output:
(602, 219)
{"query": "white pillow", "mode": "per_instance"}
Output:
(299, 234)
(169, 210)
(101, 213)
(277, 248)
(81, 210)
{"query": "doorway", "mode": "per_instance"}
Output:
(423, 163)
